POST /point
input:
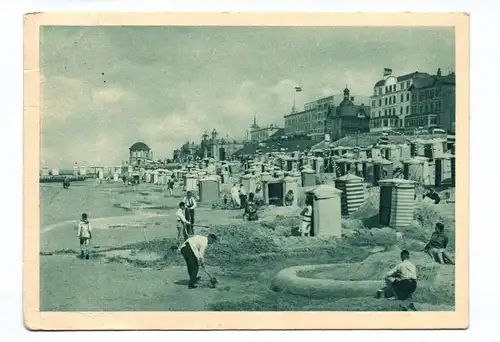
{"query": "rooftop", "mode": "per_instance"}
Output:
(139, 146)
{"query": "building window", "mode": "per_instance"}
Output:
(394, 99)
(380, 102)
(407, 84)
(407, 96)
(386, 90)
(402, 86)
(438, 107)
(400, 110)
(373, 103)
(390, 100)
(432, 94)
(433, 120)
(379, 113)
(407, 109)
(401, 123)
(421, 110)
(414, 97)
(421, 96)
(432, 107)
(385, 101)
(385, 122)
(393, 111)
(385, 112)
(427, 108)
(402, 98)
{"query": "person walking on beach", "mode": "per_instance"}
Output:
(436, 247)
(193, 251)
(182, 225)
(401, 281)
(171, 185)
(190, 207)
(84, 234)
(305, 225)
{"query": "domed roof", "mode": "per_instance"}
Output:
(139, 146)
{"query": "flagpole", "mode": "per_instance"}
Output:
(294, 94)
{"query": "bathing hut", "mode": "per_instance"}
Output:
(249, 183)
(404, 152)
(341, 167)
(326, 218)
(391, 152)
(353, 193)
(273, 191)
(190, 183)
(318, 166)
(308, 177)
(376, 153)
(209, 189)
(438, 148)
(397, 202)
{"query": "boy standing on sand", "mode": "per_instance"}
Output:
(182, 224)
(84, 234)
(190, 203)
(305, 225)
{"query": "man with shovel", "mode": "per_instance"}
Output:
(193, 251)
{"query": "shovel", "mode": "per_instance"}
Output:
(213, 280)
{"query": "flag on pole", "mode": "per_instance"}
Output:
(297, 89)
(387, 71)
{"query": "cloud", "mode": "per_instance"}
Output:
(105, 88)
(111, 94)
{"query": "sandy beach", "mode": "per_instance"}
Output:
(133, 268)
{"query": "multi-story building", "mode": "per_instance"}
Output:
(347, 118)
(433, 103)
(312, 119)
(391, 101)
(258, 133)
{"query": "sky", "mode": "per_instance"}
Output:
(104, 88)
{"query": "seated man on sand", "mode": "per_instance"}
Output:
(433, 195)
(289, 198)
(251, 209)
(401, 281)
(436, 247)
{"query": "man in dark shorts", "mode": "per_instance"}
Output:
(401, 281)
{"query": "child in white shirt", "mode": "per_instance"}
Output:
(305, 225)
(85, 235)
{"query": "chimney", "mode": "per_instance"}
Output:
(352, 98)
(439, 72)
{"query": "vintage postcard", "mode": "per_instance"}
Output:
(246, 171)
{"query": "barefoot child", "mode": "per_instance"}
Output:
(84, 234)
(305, 225)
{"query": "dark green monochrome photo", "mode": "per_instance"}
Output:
(244, 168)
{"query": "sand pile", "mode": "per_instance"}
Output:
(283, 225)
(240, 238)
(385, 237)
(425, 218)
